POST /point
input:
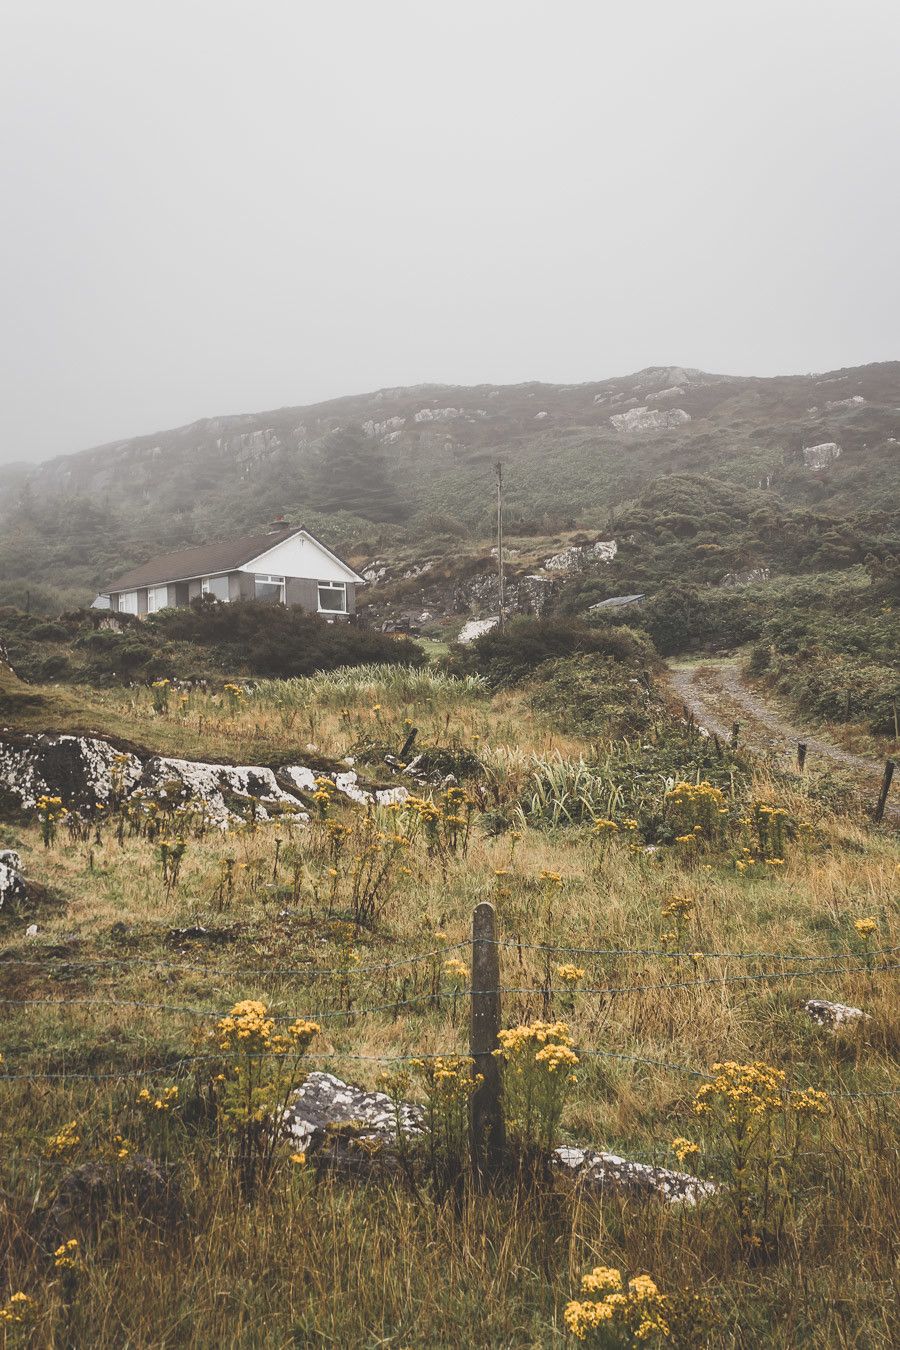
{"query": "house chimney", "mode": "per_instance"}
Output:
(277, 525)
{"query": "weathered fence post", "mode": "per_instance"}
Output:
(486, 1117)
(735, 732)
(801, 755)
(885, 789)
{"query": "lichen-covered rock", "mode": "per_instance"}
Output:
(602, 550)
(324, 1103)
(820, 456)
(82, 770)
(476, 628)
(12, 882)
(607, 1171)
(650, 419)
(326, 1109)
(346, 783)
(834, 1015)
(222, 788)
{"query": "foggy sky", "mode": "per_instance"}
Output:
(211, 207)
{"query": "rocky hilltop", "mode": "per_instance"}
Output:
(415, 463)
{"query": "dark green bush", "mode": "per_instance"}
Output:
(507, 656)
(275, 641)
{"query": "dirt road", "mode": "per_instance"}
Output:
(714, 693)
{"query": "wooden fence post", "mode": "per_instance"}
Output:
(735, 732)
(801, 755)
(885, 789)
(487, 1118)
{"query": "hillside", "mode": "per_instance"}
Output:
(392, 469)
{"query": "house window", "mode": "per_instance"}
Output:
(128, 602)
(216, 587)
(157, 598)
(270, 588)
(332, 597)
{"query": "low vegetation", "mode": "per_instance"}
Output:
(204, 642)
(665, 908)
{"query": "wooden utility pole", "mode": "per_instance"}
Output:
(501, 569)
(486, 1117)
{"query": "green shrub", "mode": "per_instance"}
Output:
(507, 656)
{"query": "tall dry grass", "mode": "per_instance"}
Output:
(320, 1261)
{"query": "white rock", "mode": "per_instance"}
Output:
(838, 403)
(474, 628)
(12, 883)
(607, 1171)
(83, 770)
(649, 419)
(210, 783)
(833, 1015)
(820, 456)
(602, 550)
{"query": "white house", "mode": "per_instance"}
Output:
(287, 566)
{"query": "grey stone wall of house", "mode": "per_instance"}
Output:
(142, 600)
(178, 593)
(195, 590)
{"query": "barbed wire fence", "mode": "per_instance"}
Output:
(484, 998)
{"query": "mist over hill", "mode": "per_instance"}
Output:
(390, 468)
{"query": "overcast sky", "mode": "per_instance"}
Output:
(211, 207)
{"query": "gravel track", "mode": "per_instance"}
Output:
(714, 693)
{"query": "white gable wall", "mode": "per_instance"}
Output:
(300, 556)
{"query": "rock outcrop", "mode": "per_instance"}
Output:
(650, 419)
(83, 770)
(476, 628)
(12, 882)
(223, 789)
(820, 456)
(579, 555)
(86, 772)
(325, 1112)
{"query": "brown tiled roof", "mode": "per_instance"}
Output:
(202, 560)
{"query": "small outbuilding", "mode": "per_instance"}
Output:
(617, 602)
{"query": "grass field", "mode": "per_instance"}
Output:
(661, 959)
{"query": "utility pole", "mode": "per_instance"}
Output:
(501, 571)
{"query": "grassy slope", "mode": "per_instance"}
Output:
(330, 1263)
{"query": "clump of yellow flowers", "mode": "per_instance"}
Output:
(66, 1255)
(67, 1138)
(749, 1109)
(50, 812)
(695, 809)
(254, 1091)
(635, 1313)
(538, 1061)
(18, 1310)
(570, 975)
(456, 970)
